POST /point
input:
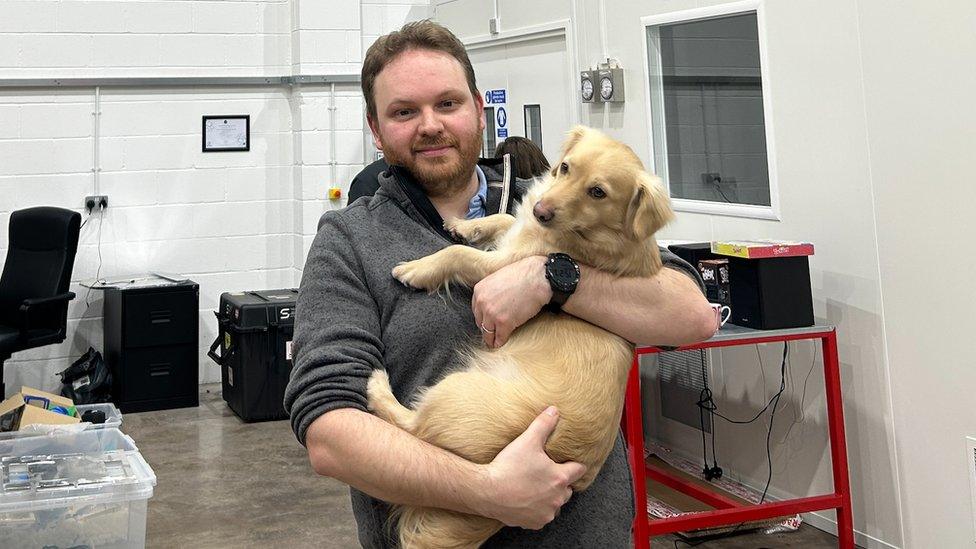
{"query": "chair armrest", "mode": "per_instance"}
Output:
(35, 303)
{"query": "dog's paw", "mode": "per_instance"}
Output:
(378, 389)
(466, 230)
(418, 274)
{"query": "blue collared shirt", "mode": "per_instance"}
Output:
(477, 208)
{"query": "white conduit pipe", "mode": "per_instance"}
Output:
(332, 137)
(604, 53)
(96, 115)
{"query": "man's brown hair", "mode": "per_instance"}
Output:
(418, 35)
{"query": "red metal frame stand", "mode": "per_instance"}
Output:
(728, 511)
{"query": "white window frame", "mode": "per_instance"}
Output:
(712, 12)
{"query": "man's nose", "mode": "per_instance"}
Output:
(430, 123)
(543, 212)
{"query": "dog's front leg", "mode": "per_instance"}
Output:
(482, 232)
(460, 264)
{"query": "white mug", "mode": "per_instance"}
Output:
(722, 313)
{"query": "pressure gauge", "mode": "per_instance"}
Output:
(587, 90)
(586, 86)
(611, 83)
(606, 88)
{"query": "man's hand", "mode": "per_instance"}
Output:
(526, 488)
(509, 297)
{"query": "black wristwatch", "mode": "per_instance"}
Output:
(563, 275)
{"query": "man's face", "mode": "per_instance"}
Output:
(427, 120)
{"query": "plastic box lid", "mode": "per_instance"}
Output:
(52, 471)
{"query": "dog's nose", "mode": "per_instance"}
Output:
(542, 212)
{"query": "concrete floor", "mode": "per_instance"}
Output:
(225, 483)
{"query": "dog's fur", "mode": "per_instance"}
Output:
(554, 359)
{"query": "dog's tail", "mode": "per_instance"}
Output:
(430, 528)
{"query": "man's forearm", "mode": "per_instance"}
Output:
(667, 309)
(390, 464)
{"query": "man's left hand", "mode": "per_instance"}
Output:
(509, 297)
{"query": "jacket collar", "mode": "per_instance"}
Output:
(400, 185)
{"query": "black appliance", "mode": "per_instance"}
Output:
(695, 252)
(771, 293)
(254, 336)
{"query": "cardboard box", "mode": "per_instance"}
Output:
(759, 249)
(28, 407)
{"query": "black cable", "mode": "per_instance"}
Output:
(716, 181)
(707, 403)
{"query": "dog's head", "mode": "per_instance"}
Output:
(600, 194)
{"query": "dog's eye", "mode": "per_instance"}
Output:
(564, 168)
(597, 192)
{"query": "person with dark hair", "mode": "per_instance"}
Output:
(528, 158)
(353, 317)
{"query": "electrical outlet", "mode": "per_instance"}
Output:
(99, 201)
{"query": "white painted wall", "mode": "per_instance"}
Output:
(922, 126)
(230, 221)
(873, 126)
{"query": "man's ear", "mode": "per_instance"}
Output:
(480, 104)
(650, 208)
(374, 129)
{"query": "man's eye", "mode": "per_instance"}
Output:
(597, 192)
(449, 104)
(401, 113)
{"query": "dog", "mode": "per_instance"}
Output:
(600, 206)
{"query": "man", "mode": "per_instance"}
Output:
(426, 115)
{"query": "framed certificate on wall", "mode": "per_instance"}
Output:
(227, 133)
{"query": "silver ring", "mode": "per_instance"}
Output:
(486, 330)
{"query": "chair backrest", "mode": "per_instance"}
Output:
(40, 256)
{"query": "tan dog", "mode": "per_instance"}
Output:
(599, 206)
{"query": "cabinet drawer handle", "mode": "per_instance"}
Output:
(159, 369)
(160, 317)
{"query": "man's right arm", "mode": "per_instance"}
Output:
(521, 487)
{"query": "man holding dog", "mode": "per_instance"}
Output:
(426, 115)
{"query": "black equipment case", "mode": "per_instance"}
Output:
(254, 335)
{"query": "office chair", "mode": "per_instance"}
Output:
(34, 286)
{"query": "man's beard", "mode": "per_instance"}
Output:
(446, 175)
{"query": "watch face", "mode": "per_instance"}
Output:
(606, 88)
(563, 273)
(587, 89)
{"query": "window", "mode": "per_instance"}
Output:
(533, 123)
(707, 113)
(488, 146)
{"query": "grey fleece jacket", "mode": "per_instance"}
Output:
(354, 317)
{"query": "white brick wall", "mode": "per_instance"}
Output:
(229, 221)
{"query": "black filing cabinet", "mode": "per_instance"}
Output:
(151, 342)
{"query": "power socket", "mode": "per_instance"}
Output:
(99, 201)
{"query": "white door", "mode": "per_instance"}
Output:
(535, 75)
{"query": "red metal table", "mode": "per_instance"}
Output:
(727, 511)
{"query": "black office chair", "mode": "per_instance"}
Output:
(34, 286)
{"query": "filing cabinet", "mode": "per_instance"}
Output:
(151, 345)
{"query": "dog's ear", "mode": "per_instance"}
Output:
(572, 138)
(650, 207)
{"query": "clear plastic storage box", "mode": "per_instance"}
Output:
(88, 489)
(113, 417)
(113, 420)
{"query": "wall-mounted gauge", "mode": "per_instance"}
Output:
(611, 83)
(587, 86)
